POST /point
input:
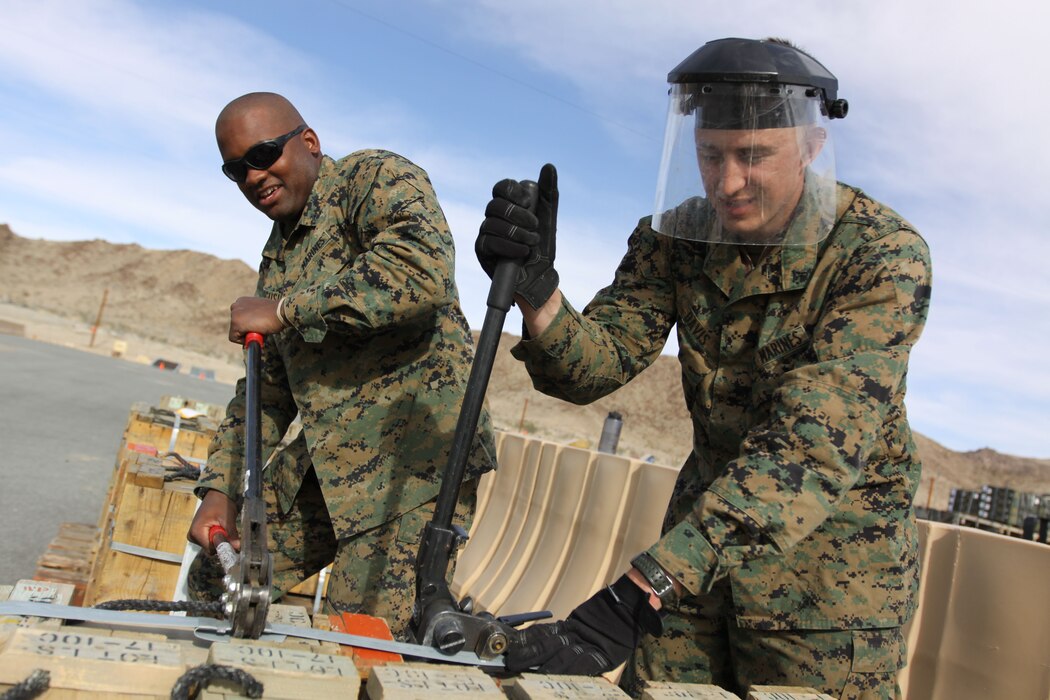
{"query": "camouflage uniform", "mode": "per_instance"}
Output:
(376, 362)
(792, 517)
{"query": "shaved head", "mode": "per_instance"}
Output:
(281, 189)
(276, 107)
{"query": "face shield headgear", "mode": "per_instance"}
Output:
(747, 156)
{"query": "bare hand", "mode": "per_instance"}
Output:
(216, 509)
(253, 315)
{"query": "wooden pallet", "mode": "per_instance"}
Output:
(69, 558)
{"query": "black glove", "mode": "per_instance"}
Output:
(597, 637)
(519, 224)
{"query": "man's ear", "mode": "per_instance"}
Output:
(812, 143)
(312, 141)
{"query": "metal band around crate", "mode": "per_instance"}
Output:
(145, 552)
(210, 628)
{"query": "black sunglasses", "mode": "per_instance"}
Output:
(259, 157)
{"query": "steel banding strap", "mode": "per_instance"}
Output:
(222, 627)
(145, 552)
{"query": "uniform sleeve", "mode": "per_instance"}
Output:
(800, 463)
(224, 470)
(406, 271)
(582, 357)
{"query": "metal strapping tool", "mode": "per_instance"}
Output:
(249, 574)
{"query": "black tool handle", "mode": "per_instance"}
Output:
(501, 296)
(253, 343)
(252, 577)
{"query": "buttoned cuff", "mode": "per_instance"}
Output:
(217, 481)
(547, 342)
(299, 310)
(688, 557)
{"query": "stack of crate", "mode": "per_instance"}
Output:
(1043, 506)
(100, 660)
(142, 529)
(998, 504)
(97, 660)
(150, 503)
(964, 501)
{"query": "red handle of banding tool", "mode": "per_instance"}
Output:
(219, 539)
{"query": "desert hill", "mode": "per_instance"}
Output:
(178, 297)
(181, 299)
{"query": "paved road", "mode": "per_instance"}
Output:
(62, 414)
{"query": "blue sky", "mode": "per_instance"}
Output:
(107, 109)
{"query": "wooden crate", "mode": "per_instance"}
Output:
(89, 661)
(148, 431)
(153, 426)
(148, 513)
(142, 464)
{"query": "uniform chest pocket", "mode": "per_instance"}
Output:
(321, 257)
(776, 357)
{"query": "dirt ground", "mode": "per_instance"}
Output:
(52, 328)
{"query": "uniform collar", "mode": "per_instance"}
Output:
(784, 268)
(781, 269)
(323, 185)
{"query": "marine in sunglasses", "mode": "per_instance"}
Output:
(365, 340)
(270, 153)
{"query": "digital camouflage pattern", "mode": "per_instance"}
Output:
(799, 487)
(377, 358)
(702, 643)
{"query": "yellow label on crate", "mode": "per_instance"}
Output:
(660, 690)
(292, 615)
(783, 692)
(404, 681)
(282, 660)
(543, 687)
(61, 642)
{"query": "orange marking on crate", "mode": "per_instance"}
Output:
(364, 626)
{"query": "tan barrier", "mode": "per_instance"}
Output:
(556, 523)
(983, 627)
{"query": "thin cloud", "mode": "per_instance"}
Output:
(163, 70)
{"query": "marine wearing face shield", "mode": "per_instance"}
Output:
(763, 149)
(788, 555)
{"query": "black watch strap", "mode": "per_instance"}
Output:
(661, 583)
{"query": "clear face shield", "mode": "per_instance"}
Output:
(746, 164)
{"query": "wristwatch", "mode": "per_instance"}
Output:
(658, 579)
